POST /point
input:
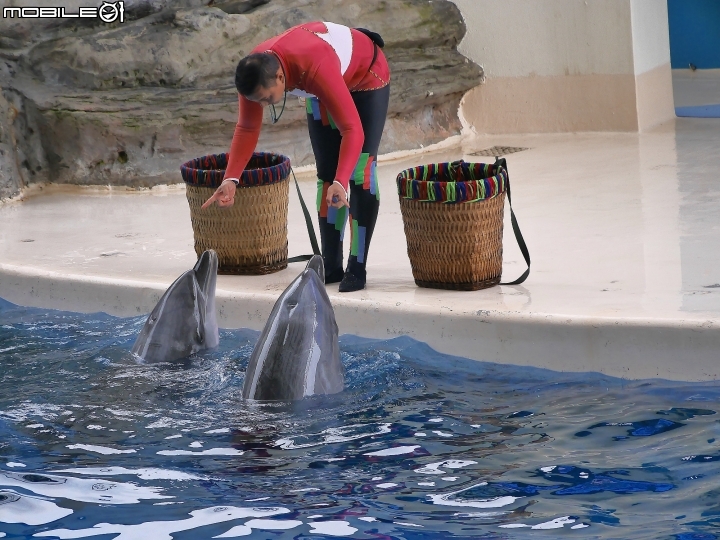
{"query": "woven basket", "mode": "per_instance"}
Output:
(453, 218)
(249, 237)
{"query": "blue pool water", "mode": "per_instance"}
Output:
(419, 446)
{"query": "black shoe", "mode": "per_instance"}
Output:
(334, 277)
(351, 283)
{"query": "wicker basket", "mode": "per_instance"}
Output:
(453, 217)
(249, 237)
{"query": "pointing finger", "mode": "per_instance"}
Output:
(210, 200)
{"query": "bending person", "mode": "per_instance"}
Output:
(344, 77)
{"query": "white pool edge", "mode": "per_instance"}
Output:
(632, 348)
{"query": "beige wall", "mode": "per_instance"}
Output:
(567, 65)
(520, 38)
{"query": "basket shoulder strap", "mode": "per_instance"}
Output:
(501, 163)
(308, 223)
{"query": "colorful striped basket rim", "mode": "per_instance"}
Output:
(264, 168)
(455, 182)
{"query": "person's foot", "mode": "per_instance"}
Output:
(335, 276)
(351, 283)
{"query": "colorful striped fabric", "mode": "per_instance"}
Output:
(264, 168)
(319, 112)
(365, 174)
(357, 240)
(456, 182)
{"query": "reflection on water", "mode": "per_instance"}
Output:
(419, 445)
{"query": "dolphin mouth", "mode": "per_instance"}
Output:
(316, 263)
(206, 272)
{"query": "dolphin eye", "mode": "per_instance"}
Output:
(292, 304)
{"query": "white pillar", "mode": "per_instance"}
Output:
(651, 59)
(567, 65)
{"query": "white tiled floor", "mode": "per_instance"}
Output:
(623, 230)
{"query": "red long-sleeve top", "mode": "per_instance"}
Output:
(327, 61)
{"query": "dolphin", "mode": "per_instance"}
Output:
(184, 320)
(297, 353)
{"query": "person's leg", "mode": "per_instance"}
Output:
(325, 139)
(372, 107)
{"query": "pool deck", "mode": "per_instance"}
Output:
(623, 230)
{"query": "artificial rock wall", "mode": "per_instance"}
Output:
(126, 103)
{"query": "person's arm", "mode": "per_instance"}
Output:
(245, 139)
(247, 132)
(330, 88)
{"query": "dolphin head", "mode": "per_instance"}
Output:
(297, 353)
(206, 270)
(184, 320)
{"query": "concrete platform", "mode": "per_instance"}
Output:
(623, 230)
(697, 93)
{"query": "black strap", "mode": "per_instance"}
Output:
(500, 163)
(310, 228)
(374, 36)
(372, 62)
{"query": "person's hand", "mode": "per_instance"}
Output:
(224, 195)
(336, 196)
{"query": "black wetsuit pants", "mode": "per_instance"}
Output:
(372, 106)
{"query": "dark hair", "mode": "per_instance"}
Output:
(257, 69)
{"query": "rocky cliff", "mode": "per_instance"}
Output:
(86, 102)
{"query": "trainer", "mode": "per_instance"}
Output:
(344, 77)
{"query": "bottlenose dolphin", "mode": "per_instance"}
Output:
(183, 321)
(297, 354)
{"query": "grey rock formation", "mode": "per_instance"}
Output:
(9, 170)
(86, 102)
